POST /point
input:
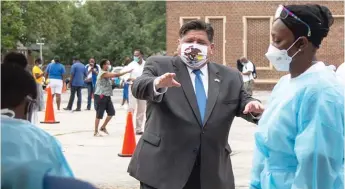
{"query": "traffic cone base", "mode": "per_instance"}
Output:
(125, 155)
(129, 142)
(50, 122)
(49, 114)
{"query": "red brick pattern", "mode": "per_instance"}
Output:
(217, 25)
(332, 50)
(258, 37)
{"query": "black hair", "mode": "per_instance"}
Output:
(239, 65)
(57, 59)
(16, 82)
(139, 50)
(16, 58)
(197, 25)
(75, 58)
(319, 19)
(38, 60)
(103, 61)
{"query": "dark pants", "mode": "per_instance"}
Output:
(74, 90)
(193, 180)
(104, 104)
(90, 91)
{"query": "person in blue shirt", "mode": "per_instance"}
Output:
(54, 72)
(24, 146)
(92, 71)
(78, 74)
(300, 136)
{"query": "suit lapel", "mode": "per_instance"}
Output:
(183, 77)
(214, 80)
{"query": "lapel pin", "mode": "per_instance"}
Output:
(217, 80)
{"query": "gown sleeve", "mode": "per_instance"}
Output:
(319, 144)
(62, 167)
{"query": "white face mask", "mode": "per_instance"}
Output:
(8, 112)
(194, 55)
(280, 58)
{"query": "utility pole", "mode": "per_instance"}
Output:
(40, 43)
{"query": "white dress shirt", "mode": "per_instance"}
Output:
(204, 78)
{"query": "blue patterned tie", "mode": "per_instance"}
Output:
(200, 94)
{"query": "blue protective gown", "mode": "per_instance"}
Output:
(27, 154)
(300, 137)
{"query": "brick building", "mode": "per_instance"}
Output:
(242, 28)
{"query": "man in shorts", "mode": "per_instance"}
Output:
(55, 72)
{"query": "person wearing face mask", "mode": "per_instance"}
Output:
(136, 105)
(92, 71)
(191, 103)
(103, 95)
(300, 137)
(23, 144)
(38, 75)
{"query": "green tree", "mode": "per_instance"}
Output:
(12, 24)
(45, 19)
(101, 29)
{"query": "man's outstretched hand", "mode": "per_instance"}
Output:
(166, 80)
(254, 107)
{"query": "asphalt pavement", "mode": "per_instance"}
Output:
(95, 159)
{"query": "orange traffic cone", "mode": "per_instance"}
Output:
(49, 117)
(129, 140)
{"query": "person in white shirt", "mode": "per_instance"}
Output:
(247, 74)
(341, 72)
(90, 81)
(136, 105)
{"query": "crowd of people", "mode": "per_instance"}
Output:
(99, 79)
(190, 105)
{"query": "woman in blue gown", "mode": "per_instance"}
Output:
(300, 137)
(28, 153)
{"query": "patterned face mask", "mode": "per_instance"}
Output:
(194, 55)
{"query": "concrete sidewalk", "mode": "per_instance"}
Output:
(95, 159)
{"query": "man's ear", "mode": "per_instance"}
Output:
(178, 41)
(212, 48)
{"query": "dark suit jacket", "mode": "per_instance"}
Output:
(174, 135)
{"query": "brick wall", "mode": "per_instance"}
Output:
(258, 35)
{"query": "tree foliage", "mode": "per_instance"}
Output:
(100, 29)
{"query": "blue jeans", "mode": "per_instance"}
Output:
(90, 91)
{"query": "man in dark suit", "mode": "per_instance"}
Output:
(191, 104)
